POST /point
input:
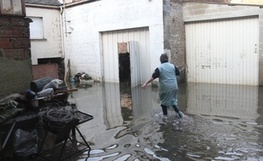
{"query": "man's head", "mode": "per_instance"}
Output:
(164, 58)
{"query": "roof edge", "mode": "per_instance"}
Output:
(42, 6)
(79, 3)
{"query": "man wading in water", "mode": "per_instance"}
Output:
(168, 87)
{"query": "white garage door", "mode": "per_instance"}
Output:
(223, 51)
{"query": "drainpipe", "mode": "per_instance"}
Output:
(63, 32)
(62, 10)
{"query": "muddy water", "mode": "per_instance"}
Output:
(221, 122)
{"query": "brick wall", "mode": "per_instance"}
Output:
(15, 59)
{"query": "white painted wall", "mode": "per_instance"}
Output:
(86, 21)
(50, 46)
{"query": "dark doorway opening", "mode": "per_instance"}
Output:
(125, 80)
(125, 85)
(124, 68)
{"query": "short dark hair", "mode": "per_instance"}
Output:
(164, 58)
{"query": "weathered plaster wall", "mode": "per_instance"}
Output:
(202, 11)
(51, 45)
(174, 34)
(86, 21)
(15, 62)
(15, 75)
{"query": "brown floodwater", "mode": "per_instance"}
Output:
(221, 122)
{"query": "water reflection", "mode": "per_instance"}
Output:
(222, 122)
(111, 100)
(219, 100)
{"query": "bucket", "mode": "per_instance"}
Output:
(38, 85)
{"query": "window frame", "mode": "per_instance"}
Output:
(36, 30)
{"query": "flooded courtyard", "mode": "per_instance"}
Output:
(221, 122)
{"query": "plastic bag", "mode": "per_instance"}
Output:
(25, 143)
(46, 92)
(53, 84)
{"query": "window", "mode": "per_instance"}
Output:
(36, 28)
(14, 7)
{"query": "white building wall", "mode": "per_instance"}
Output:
(85, 22)
(50, 46)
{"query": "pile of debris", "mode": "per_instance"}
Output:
(82, 76)
(21, 111)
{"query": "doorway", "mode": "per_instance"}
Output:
(136, 42)
(124, 68)
(125, 80)
(124, 63)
